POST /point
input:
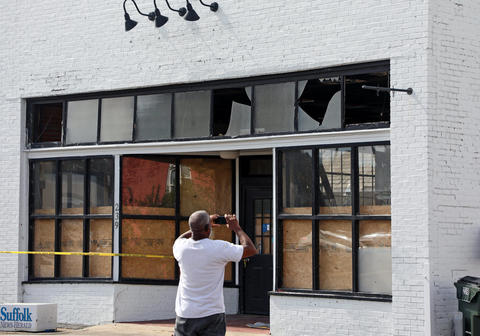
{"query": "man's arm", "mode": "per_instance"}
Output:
(248, 246)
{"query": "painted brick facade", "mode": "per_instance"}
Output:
(53, 47)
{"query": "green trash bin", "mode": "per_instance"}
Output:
(468, 289)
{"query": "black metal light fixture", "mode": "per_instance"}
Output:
(181, 11)
(129, 23)
(191, 14)
(213, 6)
(160, 19)
(379, 89)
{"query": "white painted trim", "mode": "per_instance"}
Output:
(237, 211)
(212, 147)
(116, 219)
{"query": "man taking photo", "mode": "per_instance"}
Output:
(199, 305)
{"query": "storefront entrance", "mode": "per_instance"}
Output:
(256, 208)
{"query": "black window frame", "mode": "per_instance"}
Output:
(355, 217)
(58, 217)
(249, 82)
(178, 218)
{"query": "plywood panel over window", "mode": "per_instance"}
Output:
(205, 184)
(148, 237)
(148, 186)
(100, 240)
(44, 240)
(335, 255)
(297, 254)
(71, 240)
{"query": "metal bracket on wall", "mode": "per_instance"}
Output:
(409, 91)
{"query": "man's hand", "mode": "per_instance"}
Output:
(248, 246)
(212, 219)
(232, 223)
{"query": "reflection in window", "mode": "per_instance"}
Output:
(334, 180)
(365, 106)
(47, 122)
(192, 114)
(148, 237)
(73, 172)
(319, 104)
(335, 255)
(297, 254)
(148, 186)
(205, 184)
(297, 179)
(231, 111)
(153, 117)
(374, 179)
(44, 187)
(274, 108)
(101, 186)
(82, 119)
(117, 119)
(375, 257)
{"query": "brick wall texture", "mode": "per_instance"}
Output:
(53, 47)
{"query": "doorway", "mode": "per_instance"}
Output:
(256, 208)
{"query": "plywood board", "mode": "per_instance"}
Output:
(148, 237)
(297, 254)
(44, 240)
(100, 241)
(206, 184)
(71, 240)
(335, 255)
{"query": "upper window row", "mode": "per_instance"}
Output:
(317, 104)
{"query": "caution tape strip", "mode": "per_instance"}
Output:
(101, 254)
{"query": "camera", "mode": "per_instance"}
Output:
(220, 220)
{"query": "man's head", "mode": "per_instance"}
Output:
(199, 223)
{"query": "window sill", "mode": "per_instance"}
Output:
(334, 295)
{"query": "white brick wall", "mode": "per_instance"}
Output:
(314, 316)
(453, 155)
(55, 47)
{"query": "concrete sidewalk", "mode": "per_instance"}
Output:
(236, 326)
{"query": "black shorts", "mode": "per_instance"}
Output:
(213, 325)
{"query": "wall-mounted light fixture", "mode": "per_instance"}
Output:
(189, 14)
(379, 89)
(213, 6)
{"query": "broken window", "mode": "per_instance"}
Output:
(47, 123)
(366, 106)
(232, 111)
(319, 104)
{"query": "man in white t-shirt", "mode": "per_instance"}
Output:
(199, 306)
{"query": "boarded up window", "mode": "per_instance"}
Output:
(71, 240)
(297, 254)
(335, 255)
(148, 237)
(100, 240)
(148, 186)
(205, 184)
(44, 240)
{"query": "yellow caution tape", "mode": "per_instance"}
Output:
(90, 254)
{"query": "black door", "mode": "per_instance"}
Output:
(257, 270)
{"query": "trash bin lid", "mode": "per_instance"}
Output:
(467, 288)
(471, 280)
